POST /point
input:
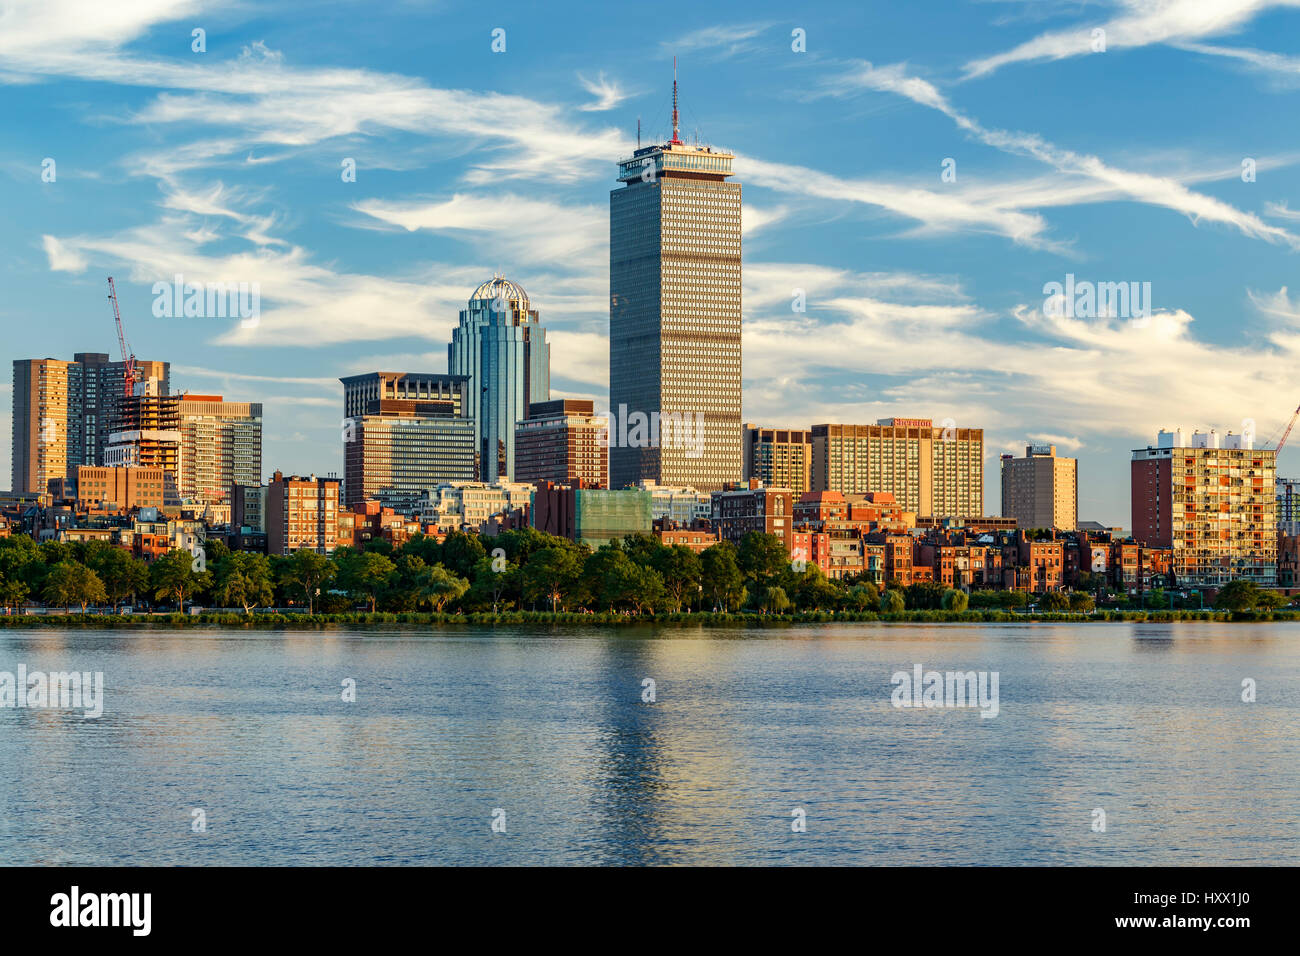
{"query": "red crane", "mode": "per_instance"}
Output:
(128, 357)
(1289, 425)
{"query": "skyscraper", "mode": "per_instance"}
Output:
(404, 433)
(221, 445)
(674, 317)
(500, 346)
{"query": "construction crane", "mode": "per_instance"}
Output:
(128, 357)
(1289, 425)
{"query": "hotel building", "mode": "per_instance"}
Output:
(779, 457)
(1041, 490)
(931, 472)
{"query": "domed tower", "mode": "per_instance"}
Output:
(501, 346)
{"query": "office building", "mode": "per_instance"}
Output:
(302, 513)
(590, 516)
(500, 347)
(404, 433)
(467, 505)
(779, 457)
(147, 435)
(221, 445)
(1210, 499)
(931, 471)
(562, 441)
(674, 319)
(1041, 490)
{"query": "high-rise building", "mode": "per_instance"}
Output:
(1212, 501)
(146, 434)
(221, 445)
(404, 433)
(302, 513)
(500, 346)
(64, 412)
(674, 316)
(931, 472)
(1041, 490)
(779, 457)
(561, 441)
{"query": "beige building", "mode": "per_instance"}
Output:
(221, 445)
(40, 428)
(931, 471)
(674, 317)
(127, 487)
(1041, 490)
(779, 457)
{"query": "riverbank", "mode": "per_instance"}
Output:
(262, 620)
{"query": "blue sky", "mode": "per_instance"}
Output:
(924, 296)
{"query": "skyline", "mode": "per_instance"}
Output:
(924, 297)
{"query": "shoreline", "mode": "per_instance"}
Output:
(240, 620)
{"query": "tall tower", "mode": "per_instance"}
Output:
(674, 317)
(500, 346)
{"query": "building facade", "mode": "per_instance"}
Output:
(931, 472)
(1041, 490)
(404, 433)
(779, 457)
(739, 511)
(500, 346)
(561, 441)
(674, 318)
(124, 488)
(302, 513)
(1212, 502)
(590, 516)
(221, 445)
(147, 435)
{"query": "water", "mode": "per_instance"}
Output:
(1144, 721)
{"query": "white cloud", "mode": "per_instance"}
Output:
(607, 92)
(62, 258)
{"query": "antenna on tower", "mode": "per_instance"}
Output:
(675, 141)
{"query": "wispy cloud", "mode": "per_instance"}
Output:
(607, 92)
(722, 40)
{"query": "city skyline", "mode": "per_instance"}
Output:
(924, 296)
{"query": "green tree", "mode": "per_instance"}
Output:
(493, 581)
(12, 592)
(461, 552)
(244, 579)
(306, 572)
(550, 574)
(892, 601)
(123, 574)
(1082, 603)
(862, 597)
(364, 573)
(720, 575)
(172, 576)
(440, 585)
(680, 569)
(1054, 601)
(955, 600)
(610, 574)
(925, 595)
(761, 557)
(71, 583)
(773, 600)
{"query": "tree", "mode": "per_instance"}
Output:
(680, 569)
(173, 576)
(461, 552)
(123, 575)
(12, 592)
(925, 595)
(954, 600)
(244, 579)
(892, 601)
(761, 557)
(71, 583)
(307, 572)
(364, 573)
(1054, 601)
(551, 573)
(492, 585)
(610, 574)
(1272, 599)
(1238, 595)
(773, 600)
(645, 589)
(811, 589)
(862, 597)
(438, 585)
(720, 576)
(1082, 603)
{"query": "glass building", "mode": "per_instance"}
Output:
(674, 318)
(500, 347)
